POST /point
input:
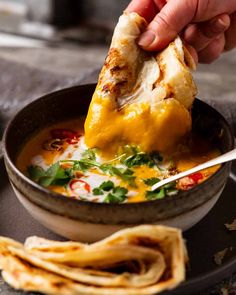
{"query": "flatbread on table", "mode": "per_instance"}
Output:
(141, 98)
(4, 244)
(142, 260)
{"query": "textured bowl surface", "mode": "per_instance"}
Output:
(74, 102)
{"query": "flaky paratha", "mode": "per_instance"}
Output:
(141, 98)
(4, 244)
(147, 260)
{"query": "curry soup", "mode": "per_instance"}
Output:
(57, 158)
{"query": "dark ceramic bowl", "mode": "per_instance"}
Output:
(87, 221)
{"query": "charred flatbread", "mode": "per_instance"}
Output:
(141, 98)
(140, 260)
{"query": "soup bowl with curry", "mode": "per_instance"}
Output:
(86, 194)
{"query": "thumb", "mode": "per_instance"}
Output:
(173, 17)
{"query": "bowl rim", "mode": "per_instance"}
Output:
(36, 187)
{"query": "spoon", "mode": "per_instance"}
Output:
(219, 160)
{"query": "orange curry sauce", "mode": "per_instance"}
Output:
(64, 141)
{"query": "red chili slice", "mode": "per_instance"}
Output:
(77, 184)
(63, 133)
(190, 181)
(71, 137)
(196, 176)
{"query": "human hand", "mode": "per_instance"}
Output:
(209, 26)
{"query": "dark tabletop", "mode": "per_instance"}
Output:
(28, 73)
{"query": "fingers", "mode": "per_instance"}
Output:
(167, 18)
(173, 17)
(215, 26)
(213, 50)
(200, 35)
(160, 4)
(230, 34)
(207, 9)
(145, 8)
(208, 38)
(177, 14)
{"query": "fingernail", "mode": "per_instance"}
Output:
(146, 39)
(220, 25)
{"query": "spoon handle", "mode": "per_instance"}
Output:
(219, 160)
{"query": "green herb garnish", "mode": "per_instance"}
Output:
(54, 175)
(89, 161)
(81, 166)
(167, 190)
(139, 159)
(106, 168)
(107, 185)
(132, 156)
(123, 173)
(118, 195)
(89, 154)
(98, 191)
(151, 181)
(35, 173)
(154, 195)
